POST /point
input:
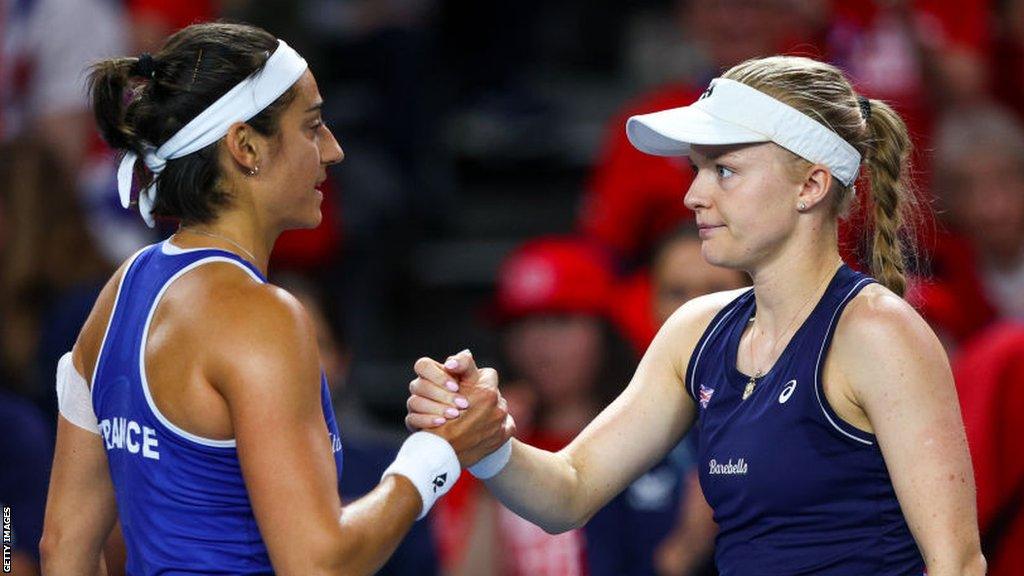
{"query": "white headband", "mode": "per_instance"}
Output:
(731, 112)
(247, 99)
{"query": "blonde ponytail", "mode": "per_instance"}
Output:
(894, 205)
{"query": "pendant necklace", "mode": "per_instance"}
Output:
(748, 390)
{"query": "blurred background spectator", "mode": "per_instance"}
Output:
(978, 264)
(367, 449)
(563, 362)
(50, 268)
(483, 133)
(990, 381)
(661, 523)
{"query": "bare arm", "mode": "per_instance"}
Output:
(286, 456)
(897, 372)
(562, 490)
(80, 505)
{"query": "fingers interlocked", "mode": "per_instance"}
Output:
(444, 392)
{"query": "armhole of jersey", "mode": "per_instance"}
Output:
(110, 319)
(142, 353)
(842, 426)
(698, 350)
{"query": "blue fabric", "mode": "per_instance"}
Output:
(26, 451)
(183, 505)
(623, 536)
(795, 489)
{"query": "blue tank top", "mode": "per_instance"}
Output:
(794, 488)
(181, 498)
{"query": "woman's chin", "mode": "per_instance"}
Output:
(719, 258)
(311, 221)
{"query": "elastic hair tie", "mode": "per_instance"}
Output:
(865, 107)
(145, 66)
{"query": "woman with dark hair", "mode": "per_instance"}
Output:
(193, 406)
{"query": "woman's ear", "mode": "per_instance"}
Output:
(814, 188)
(244, 145)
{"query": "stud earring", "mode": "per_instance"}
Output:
(801, 206)
(254, 170)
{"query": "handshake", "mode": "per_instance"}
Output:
(458, 419)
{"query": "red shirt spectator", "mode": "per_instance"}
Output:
(553, 300)
(154, 20)
(979, 273)
(989, 376)
(175, 14)
(913, 53)
(523, 549)
(635, 198)
(955, 302)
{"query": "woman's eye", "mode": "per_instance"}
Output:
(723, 172)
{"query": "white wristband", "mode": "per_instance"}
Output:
(430, 463)
(74, 401)
(491, 465)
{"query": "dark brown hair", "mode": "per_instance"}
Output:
(139, 102)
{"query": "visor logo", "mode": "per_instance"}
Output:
(707, 93)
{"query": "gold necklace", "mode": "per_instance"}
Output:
(752, 383)
(252, 258)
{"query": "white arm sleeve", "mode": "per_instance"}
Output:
(73, 397)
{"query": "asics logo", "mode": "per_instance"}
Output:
(787, 391)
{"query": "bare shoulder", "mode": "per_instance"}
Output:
(90, 338)
(249, 328)
(877, 319)
(881, 338)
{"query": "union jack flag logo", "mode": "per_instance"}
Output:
(705, 396)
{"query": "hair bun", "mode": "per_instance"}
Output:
(145, 66)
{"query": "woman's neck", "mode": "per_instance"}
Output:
(784, 285)
(234, 233)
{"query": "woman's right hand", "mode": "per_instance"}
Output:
(462, 404)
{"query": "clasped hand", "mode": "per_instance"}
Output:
(462, 404)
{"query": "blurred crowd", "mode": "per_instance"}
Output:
(490, 199)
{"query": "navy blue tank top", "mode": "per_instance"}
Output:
(181, 498)
(794, 488)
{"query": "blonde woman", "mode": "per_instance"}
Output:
(830, 436)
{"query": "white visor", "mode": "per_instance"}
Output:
(731, 112)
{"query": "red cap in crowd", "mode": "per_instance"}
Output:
(554, 275)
